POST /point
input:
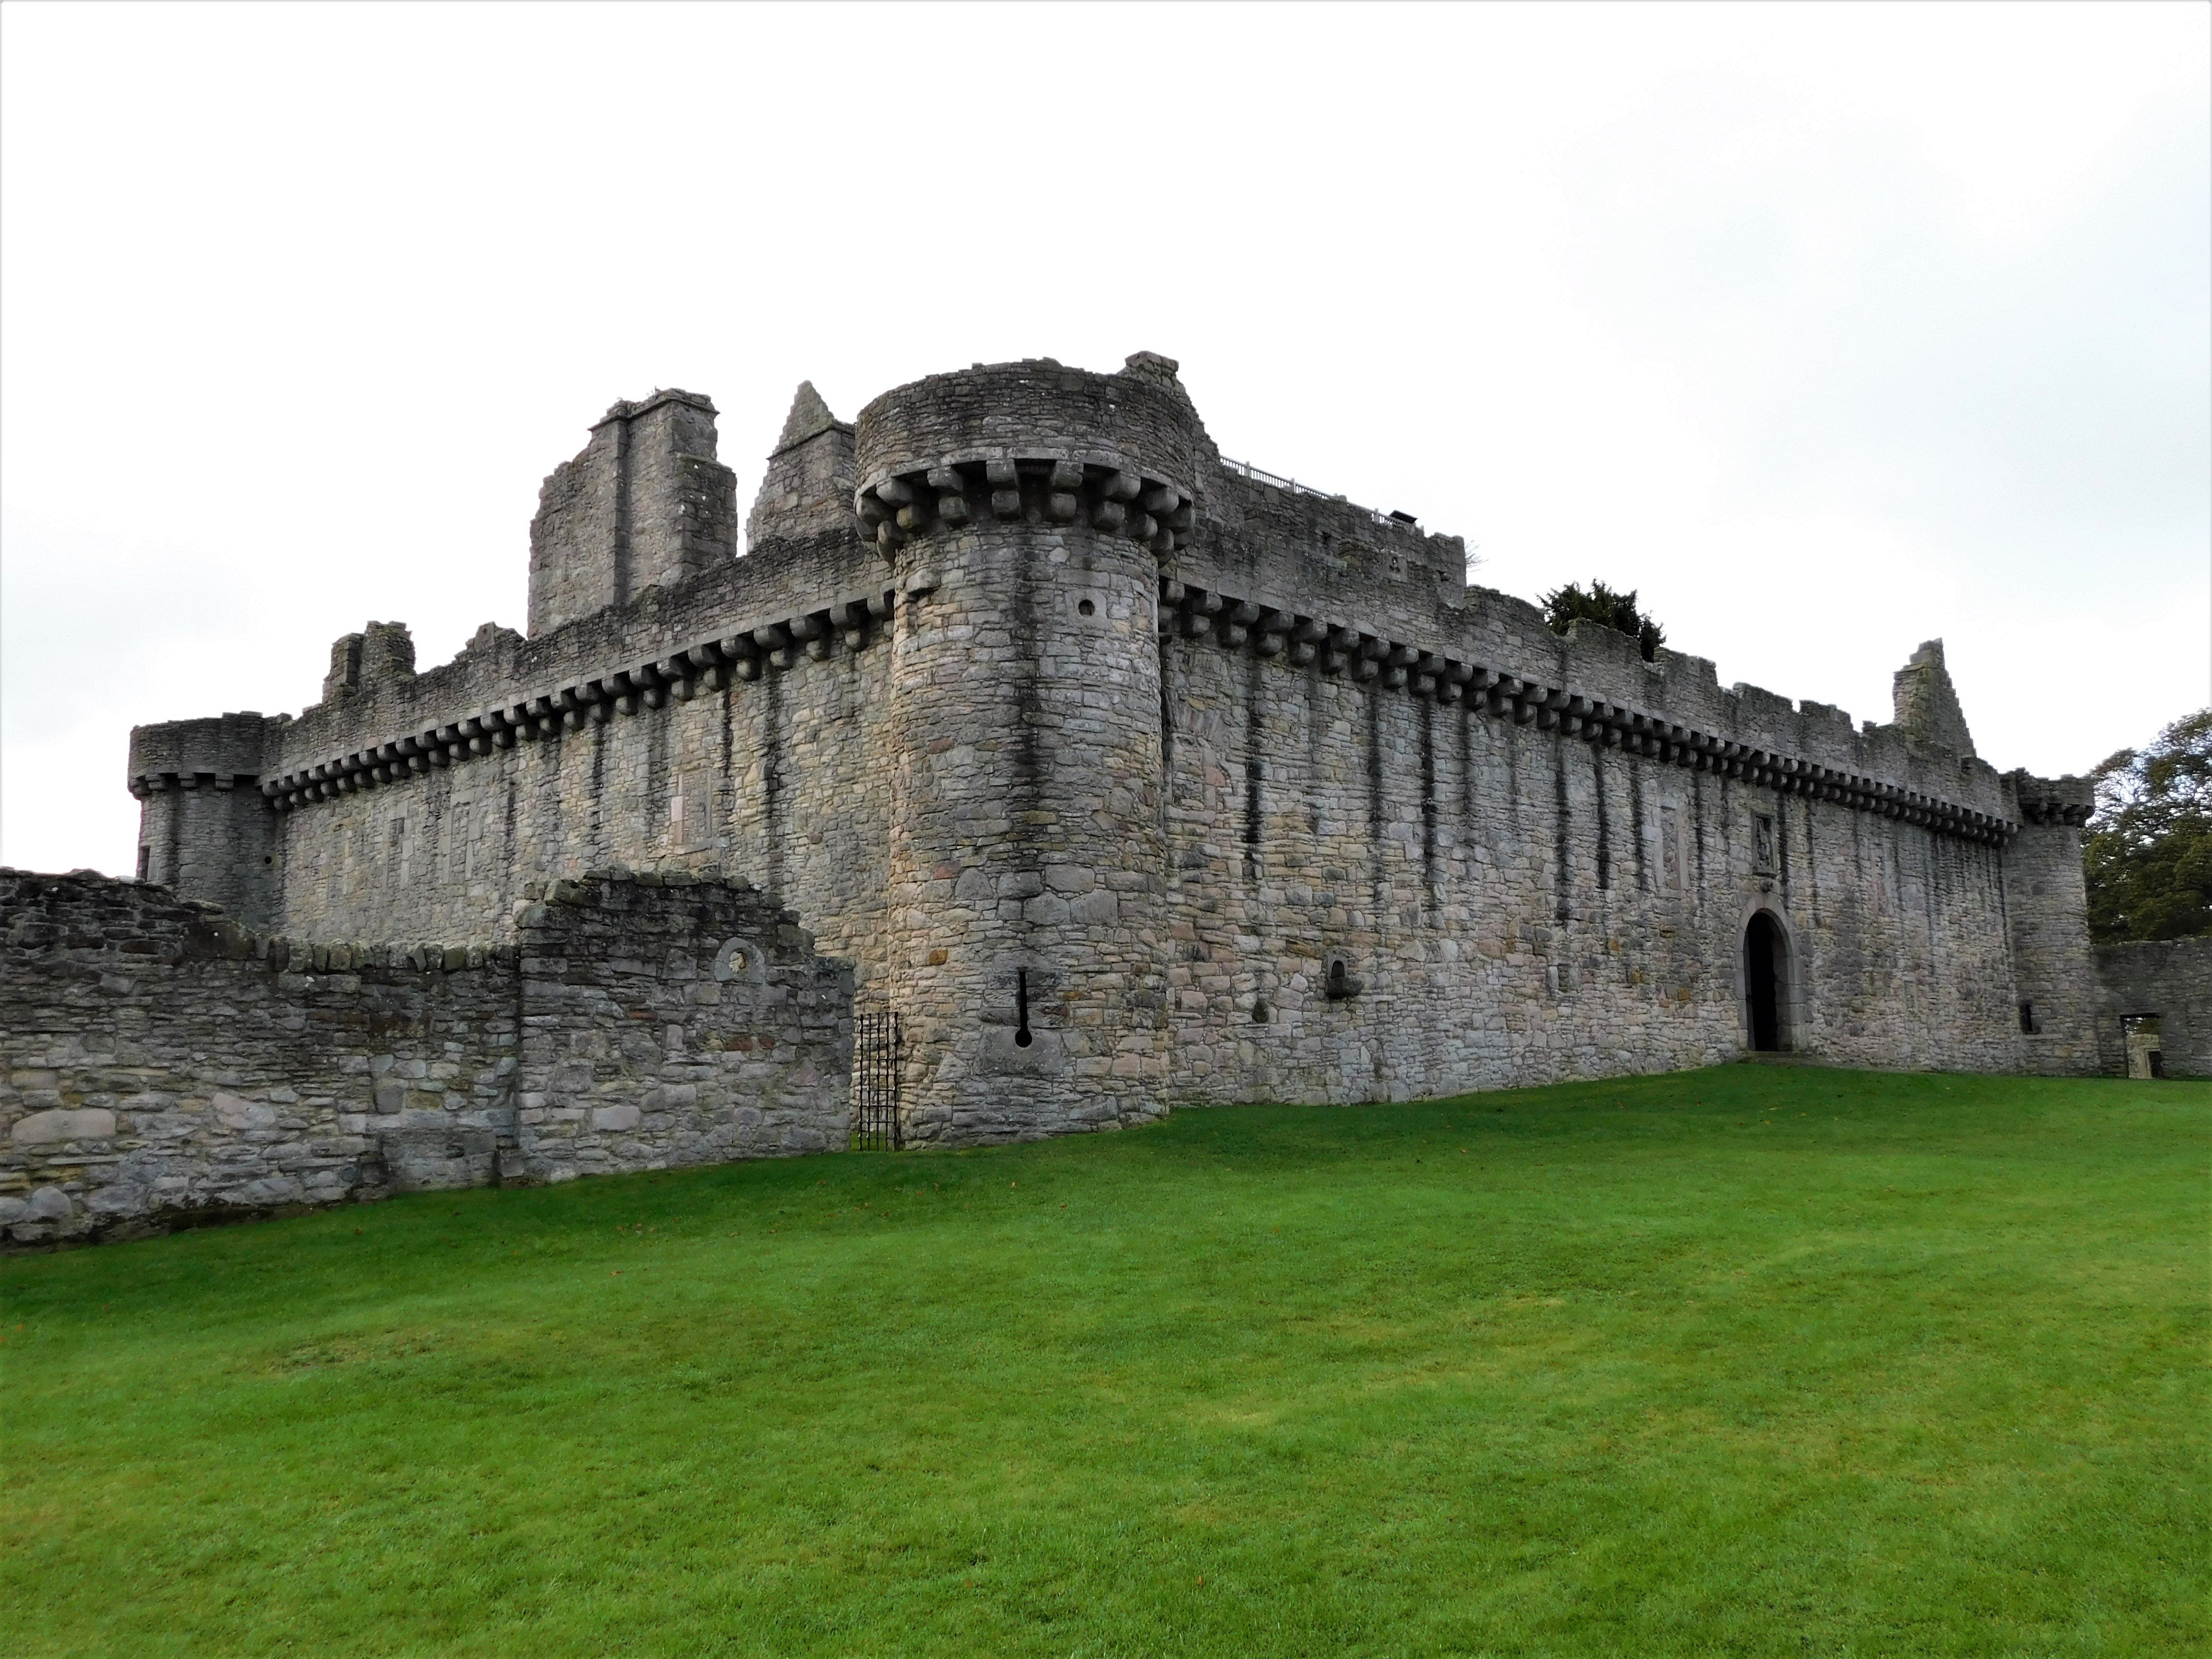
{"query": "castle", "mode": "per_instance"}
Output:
(1125, 775)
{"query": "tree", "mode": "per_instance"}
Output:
(2148, 857)
(1565, 606)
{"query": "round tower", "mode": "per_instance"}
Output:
(1024, 508)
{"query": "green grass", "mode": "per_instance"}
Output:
(1747, 1361)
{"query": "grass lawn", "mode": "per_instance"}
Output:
(1755, 1361)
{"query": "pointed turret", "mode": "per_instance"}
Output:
(809, 417)
(807, 489)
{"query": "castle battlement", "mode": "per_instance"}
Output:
(1126, 773)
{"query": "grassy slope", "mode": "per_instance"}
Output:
(1744, 1361)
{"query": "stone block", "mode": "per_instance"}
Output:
(41, 1127)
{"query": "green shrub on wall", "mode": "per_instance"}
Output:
(1565, 606)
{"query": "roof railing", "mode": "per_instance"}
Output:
(1261, 475)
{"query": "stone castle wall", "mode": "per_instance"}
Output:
(776, 780)
(2169, 978)
(1517, 907)
(163, 1064)
(1056, 726)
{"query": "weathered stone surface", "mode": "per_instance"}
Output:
(48, 1204)
(2170, 980)
(92, 1123)
(1090, 752)
(230, 1082)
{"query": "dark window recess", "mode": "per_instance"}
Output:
(1086, 607)
(1260, 1015)
(1342, 983)
(1022, 1037)
(145, 863)
(2027, 1025)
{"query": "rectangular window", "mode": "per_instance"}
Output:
(1763, 842)
(145, 864)
(460, 830)
(690, 817)
(2027, 1025)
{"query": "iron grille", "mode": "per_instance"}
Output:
(878, 1051)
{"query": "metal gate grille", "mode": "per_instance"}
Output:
(878, 1048)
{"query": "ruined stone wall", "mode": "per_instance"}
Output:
(163, 1064)
(732, 722)
(667, 1021)
(779, 780)
(645, 504)
(2170, 978)
(1284, 733)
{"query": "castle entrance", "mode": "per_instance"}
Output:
(1765, 968)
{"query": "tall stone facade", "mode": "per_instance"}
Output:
(1127, 775)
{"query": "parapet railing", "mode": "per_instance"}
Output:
(1261, 475)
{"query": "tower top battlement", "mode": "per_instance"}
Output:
(1036, 409)
(1035, 440)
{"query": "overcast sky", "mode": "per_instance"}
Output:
(1828, 330)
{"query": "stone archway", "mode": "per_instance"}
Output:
(1766, 983)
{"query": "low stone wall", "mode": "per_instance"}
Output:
(2170, 978)
(161, 1065)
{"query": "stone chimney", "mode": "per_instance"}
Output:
(646, 504)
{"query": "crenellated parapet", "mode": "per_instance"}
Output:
(2066, 802)
(592, 698)
(1527, 697)
(221, 752)
(1031, 442)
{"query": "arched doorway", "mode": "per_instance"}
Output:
(1766, 982)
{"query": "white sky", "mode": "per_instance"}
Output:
(1829, 330)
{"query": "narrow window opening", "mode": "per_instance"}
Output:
(1022, 1037)
(145, 863)
(1086, 608)
(1259, 1013)
(2027, 1025)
